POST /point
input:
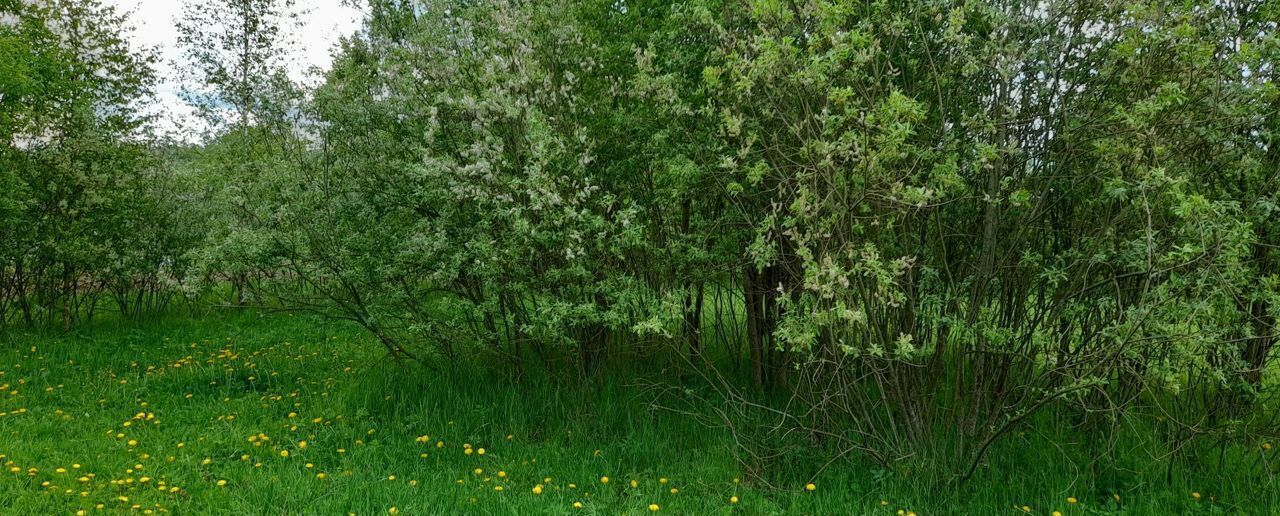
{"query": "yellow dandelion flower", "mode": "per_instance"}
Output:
(284, 453)
(222, 483)
(604, 480)
(537, 489)
(653, 507)
(733, 499)
(810, 487)
(577, 505)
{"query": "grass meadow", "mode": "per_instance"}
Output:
(276, 414)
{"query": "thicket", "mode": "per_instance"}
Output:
(895, 228)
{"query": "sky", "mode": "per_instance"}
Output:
(154, 22)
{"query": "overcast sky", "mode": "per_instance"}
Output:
(326, 21)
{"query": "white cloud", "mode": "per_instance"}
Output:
(155, 20)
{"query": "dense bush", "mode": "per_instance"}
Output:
(80, 211)
(917, 222)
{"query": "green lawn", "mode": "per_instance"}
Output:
(186, 417)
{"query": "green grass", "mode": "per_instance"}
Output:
(203, 387)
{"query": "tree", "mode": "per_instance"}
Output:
(74, 154)
(236, 53)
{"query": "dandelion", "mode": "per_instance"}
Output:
(302, 444)
(577, 505)
(537, 489)
(810, 487)
(393, 511)
(1195, 495)
(1072, 500)
(733, 499)
(634, 484)
(222, 483)
(653, 507)
(480, 451)
(284, 453)
(604, 480)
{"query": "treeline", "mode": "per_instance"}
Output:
(85, 203)
(919, 222)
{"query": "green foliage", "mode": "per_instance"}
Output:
(901, 230)
(209, 385)
(77, 207)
